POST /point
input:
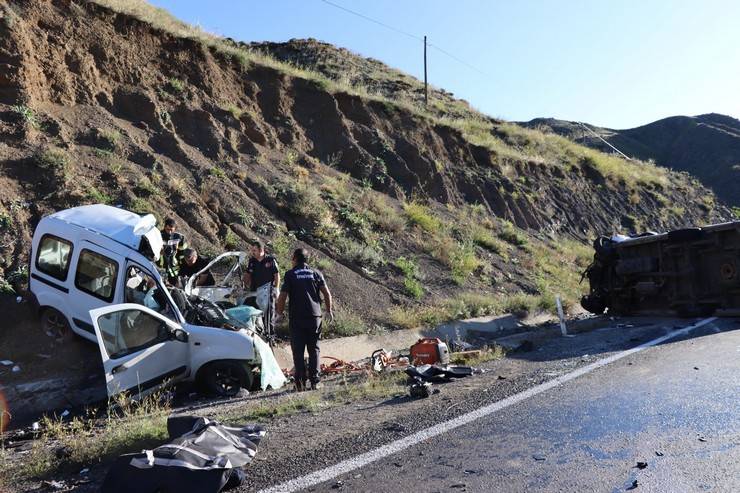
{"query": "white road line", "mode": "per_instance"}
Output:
(379, 453)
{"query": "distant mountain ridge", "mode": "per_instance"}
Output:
(706, 146)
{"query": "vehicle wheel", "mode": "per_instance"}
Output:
(225, 378)
(54, 324)
(593, 304)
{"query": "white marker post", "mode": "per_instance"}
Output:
(561, 316)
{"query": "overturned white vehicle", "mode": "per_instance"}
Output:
(91, 271)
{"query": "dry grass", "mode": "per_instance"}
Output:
(128, 427)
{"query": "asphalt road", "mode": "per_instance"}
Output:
(674, 407)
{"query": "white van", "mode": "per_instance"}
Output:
(91, 272)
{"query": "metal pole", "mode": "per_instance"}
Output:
(426, 90)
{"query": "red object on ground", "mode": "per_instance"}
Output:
(429, 351)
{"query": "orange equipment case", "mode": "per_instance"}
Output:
(430, 351)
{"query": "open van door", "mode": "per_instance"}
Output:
(142, 350)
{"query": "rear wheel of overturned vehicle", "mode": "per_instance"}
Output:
(55, 324)
(225, 378)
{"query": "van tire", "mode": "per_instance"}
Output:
(224, 378)
(54, 323)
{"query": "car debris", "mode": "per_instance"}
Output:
(687, 272)
(202, 455)
(641, 465)
(437, 373)
(420, 389)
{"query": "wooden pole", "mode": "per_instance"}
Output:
(426, 90)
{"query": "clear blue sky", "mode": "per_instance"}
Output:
(617, 64)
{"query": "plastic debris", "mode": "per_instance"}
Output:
(539, 457)
(6, 362)
(641, 465)
(19, 299)
(84, 471)
(65, 413)
(633, 485)
(16, 369)
(659, 454)
(35, 426)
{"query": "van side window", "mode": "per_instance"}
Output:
(128, 331)
(53, 257)
(96, 275)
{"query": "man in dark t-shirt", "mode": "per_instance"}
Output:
(304, 287)
(262, 270)
(192, 263)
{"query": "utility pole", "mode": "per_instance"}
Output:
(426, 90)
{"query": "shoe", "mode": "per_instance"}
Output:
(299, 386)
(317, 385)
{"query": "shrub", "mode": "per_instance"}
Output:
(176, 85)
(420, 215)
(485, 239)
(97, 196)
(28, 115)
(217, 172)
(231, 240)
(56, 162)
(510, 234)
(5, 220)
(411, 283)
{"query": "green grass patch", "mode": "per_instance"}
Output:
(217, 172)
(510, 234)
(421, 216)
(28, 115)
(98, 197)
(411, 284)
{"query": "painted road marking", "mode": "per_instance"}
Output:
(379, 453)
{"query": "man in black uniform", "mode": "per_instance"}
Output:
(261, 271)
(304, 287)
(191, 264)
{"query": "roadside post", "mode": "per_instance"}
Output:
(561, 316)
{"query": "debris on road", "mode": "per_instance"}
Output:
(539, 457)
(633, 486)
(641, 465)
(437, 373)
(659, 454)
(420, 389)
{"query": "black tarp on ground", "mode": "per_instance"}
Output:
(437, 373)
(203, 456)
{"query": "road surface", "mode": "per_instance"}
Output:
(674, 408)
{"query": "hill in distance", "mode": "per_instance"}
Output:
(705, 146)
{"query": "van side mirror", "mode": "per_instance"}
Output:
(179, 335)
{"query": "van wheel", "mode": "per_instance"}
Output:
(54, 324)
(225, 378)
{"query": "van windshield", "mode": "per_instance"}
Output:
(141, 288)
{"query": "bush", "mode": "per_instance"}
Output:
(420, 215)
(485, 239)
(217, 172)
(28, 115)
(176, 85)
(97, 196)
(411, 283)
(510, 234)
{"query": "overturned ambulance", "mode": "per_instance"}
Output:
(92, 273)
(688, 272)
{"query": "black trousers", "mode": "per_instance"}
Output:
(304, 335)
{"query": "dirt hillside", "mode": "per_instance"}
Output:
(408, 209)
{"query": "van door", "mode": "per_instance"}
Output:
(142, 350)
(94, 285)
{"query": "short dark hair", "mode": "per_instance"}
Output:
(188, 252)
(170, 221)
(257, 243)
(300, 255)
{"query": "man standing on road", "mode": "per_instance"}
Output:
(263, 276)
(172, 251)
(303, 286)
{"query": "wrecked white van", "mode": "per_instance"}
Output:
(91, 272)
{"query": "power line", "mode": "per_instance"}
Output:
(417, 38)
(412, 36)
(604, 140)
